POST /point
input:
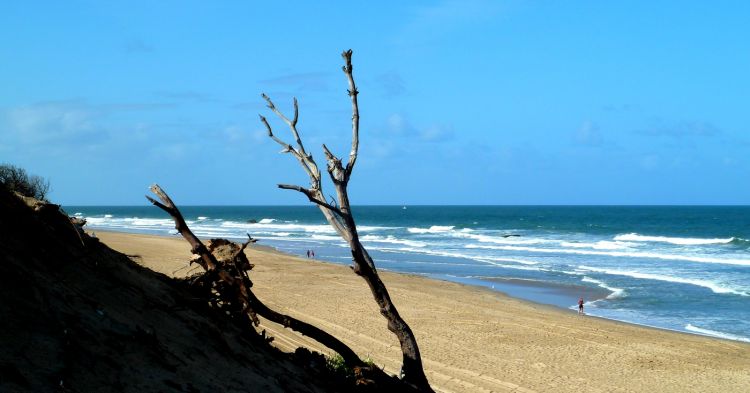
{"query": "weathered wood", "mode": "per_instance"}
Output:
(233, 272)
(340, 216)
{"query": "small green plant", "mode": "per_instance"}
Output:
(336, 365)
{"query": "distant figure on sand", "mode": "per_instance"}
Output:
(308, 253)
(312, 252)
(580, 306)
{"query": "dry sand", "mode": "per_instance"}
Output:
(472, 339)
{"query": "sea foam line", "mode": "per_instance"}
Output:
(432, 229)
(684, 241)
(714, 333)
(617, 293)
(669, 257)
(716, 288)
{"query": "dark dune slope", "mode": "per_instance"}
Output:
(88, 319)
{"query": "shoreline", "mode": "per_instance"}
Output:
(522, 290)
(472, 339)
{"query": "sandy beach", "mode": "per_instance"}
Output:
(472, 339)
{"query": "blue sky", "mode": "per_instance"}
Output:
(462, 102)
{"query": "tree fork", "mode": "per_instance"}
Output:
(251, 304)
(339, 215)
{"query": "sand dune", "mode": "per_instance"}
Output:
(472, 339)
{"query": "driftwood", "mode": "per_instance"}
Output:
(225, 282)
(339, 214)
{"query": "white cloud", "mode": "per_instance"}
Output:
(392, 84)
(50, 122)
(398, 125)
(588, 134)
(436, 133)
(682, 129)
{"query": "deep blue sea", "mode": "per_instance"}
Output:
(684, 268)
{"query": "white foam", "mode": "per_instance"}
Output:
(714, 333)
(600, 245)
(634, 237)
(522, 263)
(432, 229)
(286, 227)
(78, 214)
(617, 293)
(499, 239)
(107, 216)
(149, 222)
(369, 228)
(713, 286)
(326, 237)
(392, 240)
(201, 218)
(669, 257)
(266, 221)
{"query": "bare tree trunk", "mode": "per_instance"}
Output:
(238, 279)
(338, 213)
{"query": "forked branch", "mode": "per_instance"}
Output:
(347, 55)
(236, 277)
(340, 216)
(207, 259)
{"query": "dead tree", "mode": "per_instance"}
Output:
(339, 214)
(227, 276)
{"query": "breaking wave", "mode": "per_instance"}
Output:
(714, 333)
(713, 286)
(683, 241)
(617, 293)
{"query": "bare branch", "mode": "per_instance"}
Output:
(347, 55)
(342, 219)
(250, 303)
(305, 159)
(334, 167)
(244, 245)
(311, 196)
(207, 259)
(312, 170)
(292, 124)
(296, 112)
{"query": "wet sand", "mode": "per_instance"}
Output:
(472, 339)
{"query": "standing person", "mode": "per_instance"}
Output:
(580, 306)
(312, 252)
(308, 253)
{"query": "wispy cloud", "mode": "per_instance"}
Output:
(189, 96)
(137, 45)
(619, 108)
(398, 136)
(681, 129)
(588, 134)
(49, 122)
(73, 122)
(392, 84)
(306, 81)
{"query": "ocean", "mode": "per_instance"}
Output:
(684, 268)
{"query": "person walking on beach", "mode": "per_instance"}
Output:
(308, 253)
(312, 252)
(580, 306)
